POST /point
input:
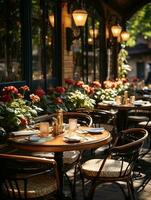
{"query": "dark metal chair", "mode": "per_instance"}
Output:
(117, 165)
(17, 181)
(70, 158)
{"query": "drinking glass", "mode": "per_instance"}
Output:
(44, 129)
(72, 125)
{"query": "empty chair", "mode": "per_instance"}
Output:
(82, 118)
(105, 118)
(41, 118)
(146, 125)
(17, 181)
(118, 164)
(136, 116)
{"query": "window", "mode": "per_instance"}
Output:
(42, 41)
(10, 41)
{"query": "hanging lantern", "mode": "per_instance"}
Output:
(125, 36)
(52, 20)
(80, 17)
(116, 30)
(94, 32)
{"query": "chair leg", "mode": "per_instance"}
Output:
(83, 188)
(91, 191)
(131, 190)
(122, 189)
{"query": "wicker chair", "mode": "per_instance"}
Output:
(118, 163)
(17, 181)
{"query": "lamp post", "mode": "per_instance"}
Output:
(116, 31)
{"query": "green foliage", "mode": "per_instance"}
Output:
(140, 25)
(123, 66)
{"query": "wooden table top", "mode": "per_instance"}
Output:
(57, 144)
(144, 106)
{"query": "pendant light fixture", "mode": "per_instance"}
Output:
(52, 20)
(80, 17)
(116, 30)
(125, 36)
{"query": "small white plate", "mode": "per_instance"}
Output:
(96, 130)
(72, 139)
(109, 102)
(34, 138)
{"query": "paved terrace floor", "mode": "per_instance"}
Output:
(111, 191)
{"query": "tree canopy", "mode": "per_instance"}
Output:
(140, 25)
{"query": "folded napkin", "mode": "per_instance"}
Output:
(24, 132)
(96, 130)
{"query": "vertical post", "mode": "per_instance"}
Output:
(94, 46)
(103, 51)
(86, 50)
(82, 52)
(26, 43)
(43, 43)
(114, 57)
(58, 43)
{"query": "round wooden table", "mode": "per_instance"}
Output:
(58, 146)
(122, 113)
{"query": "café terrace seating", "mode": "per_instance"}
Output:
(70, 158)
(117, 165)
(17, 181)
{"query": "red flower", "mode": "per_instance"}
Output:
(69, 81)
(23, 121)
(113, 85)
(124, 80)
(86, 88)
(96, 84)
(79, 83)
(20, 95)
(60, 90)
(91, 90)
(10, 89)
(34, 98)
(39, 92)
(58, 100)
(6, 98)
(135, 79)
(25, 88)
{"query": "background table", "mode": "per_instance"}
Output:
(122, 113)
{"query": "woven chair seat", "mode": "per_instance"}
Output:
(38, 186)
(137, 118)
(69, 157)
(145, 123)
(112, 168)
(20, 182)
